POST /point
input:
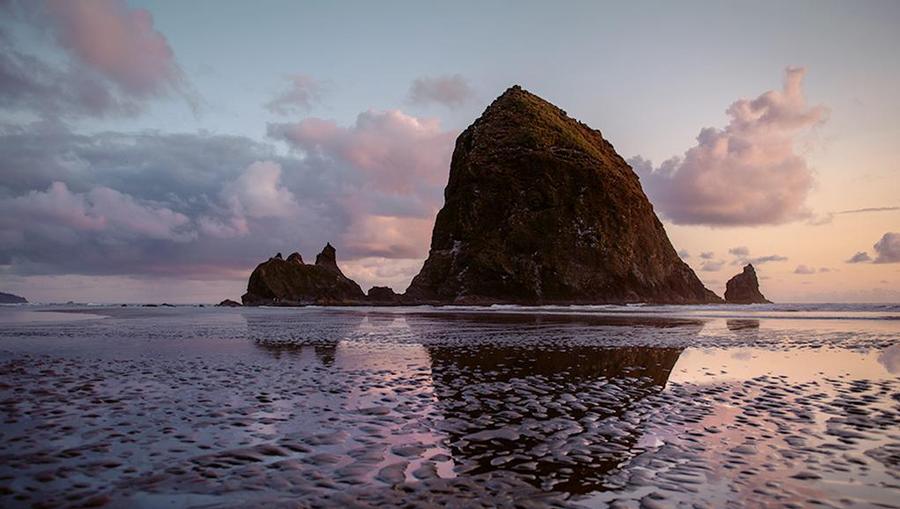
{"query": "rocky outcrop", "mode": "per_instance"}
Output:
(540, 209)
(8, 298)
(744, 288)
(228, 303)
(291, 282)
(383, 295)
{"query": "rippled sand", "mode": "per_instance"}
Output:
(180, 407)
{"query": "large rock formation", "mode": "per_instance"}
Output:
(540, 209)
(8, 298)
(744, 288)
(291, 282)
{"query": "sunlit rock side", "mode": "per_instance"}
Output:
(540, 209)
(291, 282)
(744, 288)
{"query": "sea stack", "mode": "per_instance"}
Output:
(540, 209)
(291, 282)
(744, 288)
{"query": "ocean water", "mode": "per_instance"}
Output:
(589, 406)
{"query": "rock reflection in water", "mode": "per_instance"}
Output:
(323, 341)
(553, 414)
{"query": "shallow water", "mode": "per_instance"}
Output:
(640, 406)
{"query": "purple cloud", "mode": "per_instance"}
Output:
(804, 270)
(394, 166)
(888, 248)
(745, 174)
(451, 91)
(860, 257)
(113, 61)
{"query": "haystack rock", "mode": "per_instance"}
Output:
(744, 288)
(540, 209)
(293, 283)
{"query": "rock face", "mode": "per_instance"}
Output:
(540, 209)
(228, 303)
(291, 282)
(744, 288)
(383, 295)
(8, 298)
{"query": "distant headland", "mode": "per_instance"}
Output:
(539, 209)
(9, 298)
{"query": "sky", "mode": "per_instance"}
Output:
(157, 151)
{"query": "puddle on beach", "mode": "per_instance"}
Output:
(183, 407)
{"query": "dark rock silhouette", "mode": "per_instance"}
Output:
(9, 298)
(228, 303)
(292, 283)
(541, 209)
(383, 295)
(744, 288)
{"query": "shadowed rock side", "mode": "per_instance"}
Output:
(744, 288)
(9, 298)
(541, 209)
(291, 282)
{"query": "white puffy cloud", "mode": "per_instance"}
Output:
(747, 173)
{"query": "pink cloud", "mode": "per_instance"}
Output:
(396, 152)
(59, 211)
(393, 165)
(117, 41)
(745, 174)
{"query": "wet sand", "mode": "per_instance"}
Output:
(209, 407)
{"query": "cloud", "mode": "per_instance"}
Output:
(860, 257)
(711, 266)
(742, 257)
(300, 95)
(212, 206)
(111, 216)
(888, 248)
(766, 259)
(109, 60)
(803, 269)
(745, 174)
(119, 42)
(30, 84)
(392, 168)
(827, 218)
(707, 255)
(869, 209)
(451, 91)
(259, 193)
(683, 254)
